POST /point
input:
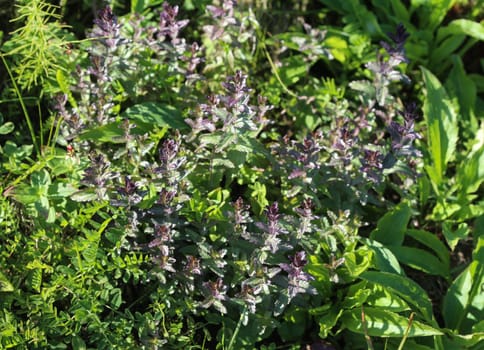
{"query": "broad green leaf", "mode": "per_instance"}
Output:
(442, 127)
(431, 241)
(471, 174)
(420, 259)
(462, 27)
(444, 50)
(463, 304)
(431, 12)
(407, 289)
(149, 114)
(467, 341)
(60, 190)
(111, 132)
(338, 6)
(383, 323)
(383, 257)
(87, 195)
(394, 10)
(462, 88)
(401, 12)
(365, 18)
(382, 298)
(391, 227)
(40, 178)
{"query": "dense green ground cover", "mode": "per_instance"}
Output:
(252, 175)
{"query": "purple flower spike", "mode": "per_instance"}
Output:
(107, 26)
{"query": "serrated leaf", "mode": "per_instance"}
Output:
(407, 289)
(382, 323)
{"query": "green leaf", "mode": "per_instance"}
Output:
(5, 285)
(383, 257)
(471, 174)
(149, 114)
(111, 132)
(383, 323)
(78, 343)
(60, 190)
(394, 10)
(382, 298)
(293, 69)
(420, 259)
(431, 12)
(454, 236)
(462, 88)
(87, 195)
(462, 27)
(407, 289)
(441, 53)
(365, 18)
(463, 304)
(358, 261)
(40, 179)
(431, 241)
(441, 120)
(391, 227)
(6, 128)
(34, 280)
(328, 320)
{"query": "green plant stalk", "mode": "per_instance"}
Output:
(404, 339)
(274, 69)
(22, 104)
(237, 328)
(365, 329)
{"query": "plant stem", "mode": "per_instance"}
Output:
(22, 104)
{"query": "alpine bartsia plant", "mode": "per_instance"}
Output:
(107, 28)
(298, 279)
